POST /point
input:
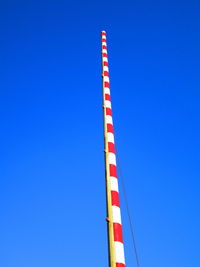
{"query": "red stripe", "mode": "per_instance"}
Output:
(110, 128)
(105, 54)
(113, 170)
(115, 198)
(107, 97)
(104, 47)
(103, 40)
(106, 73)
(120, 265)
(103, 33)
(106, 84)
(105, 63)
(108, 111)
(117, 232)
(111, 147)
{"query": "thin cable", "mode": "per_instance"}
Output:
(128, 212)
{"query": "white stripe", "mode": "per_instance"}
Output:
(119, 252)
(106, 79)
(105, 59)
(110, 137)
(105, 68)
(109, 119)
(104, 50)
(103, 43)
(116, 214)
(107, 90)
(112, 158)
(114, 184)
(108, 104)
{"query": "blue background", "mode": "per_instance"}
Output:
(52, 195)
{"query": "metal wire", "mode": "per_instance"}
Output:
(128, 211)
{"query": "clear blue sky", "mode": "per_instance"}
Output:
(52, 195)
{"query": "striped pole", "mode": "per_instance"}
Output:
(114, 225)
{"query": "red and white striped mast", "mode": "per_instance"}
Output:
(114, 224)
